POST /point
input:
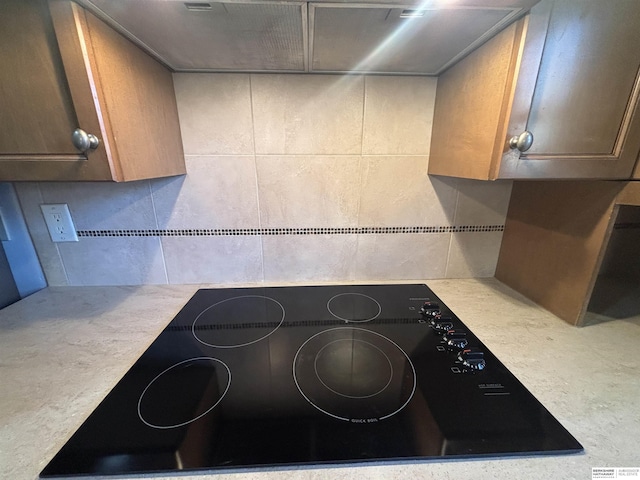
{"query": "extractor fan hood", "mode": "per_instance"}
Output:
(319, 37)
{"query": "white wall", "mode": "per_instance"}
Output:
(291, 178)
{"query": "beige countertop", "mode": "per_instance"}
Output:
(62, 350)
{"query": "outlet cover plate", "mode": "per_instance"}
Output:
(59, 222)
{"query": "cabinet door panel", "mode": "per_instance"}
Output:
(52, 54)
(138, 105)
(585, 78)
(47, 93)
(583, 109)
(37, 115)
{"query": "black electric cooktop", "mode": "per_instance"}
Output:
(286, 376)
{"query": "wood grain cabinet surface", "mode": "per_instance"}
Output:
(62, 69)
(555, 239)
(568, 72)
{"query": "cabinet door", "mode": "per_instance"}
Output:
(37, 114)
(577, 92)
(46, 93)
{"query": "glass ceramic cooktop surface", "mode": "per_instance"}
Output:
(310, 375)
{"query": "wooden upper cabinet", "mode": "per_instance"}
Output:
(568, 73)
(64, 69)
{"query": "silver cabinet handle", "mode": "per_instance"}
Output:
(84, 141)
(522, 142)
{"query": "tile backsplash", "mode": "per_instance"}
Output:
(291, 178)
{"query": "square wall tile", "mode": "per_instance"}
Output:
(473, 254)
(307, 114)
(217, 192)
(308, 191)
(481, 202)
(215, 113)
(30, 200)
(114, 261)
(215, 259)
(396, 191)
(402, 256)
(398, 115)
(104, 206)
(309, 258)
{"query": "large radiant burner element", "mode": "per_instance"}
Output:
(184, 392)
(354, 374)
(238, 321)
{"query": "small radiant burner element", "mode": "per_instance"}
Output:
(354, 307)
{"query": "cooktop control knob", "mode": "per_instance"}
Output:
(472, 358)
(455, 339)
(430, 309)
(441, 324)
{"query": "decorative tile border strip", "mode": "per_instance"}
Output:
(216, 232)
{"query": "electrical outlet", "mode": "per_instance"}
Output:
(59, 222)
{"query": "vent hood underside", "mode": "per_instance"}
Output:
(318, 37)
